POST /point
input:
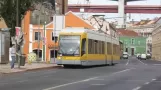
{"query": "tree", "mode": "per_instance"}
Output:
(8, 10)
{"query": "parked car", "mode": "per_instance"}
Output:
(138, 56)
(148, 56)
(143, 57)
(125, 55)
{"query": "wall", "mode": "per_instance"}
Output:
(145, 31)
(139, 44)
(48, 44)
(156, 43)
(2, 23)
(29, 29)
(26, 31)
(72, 20)
(149, 44)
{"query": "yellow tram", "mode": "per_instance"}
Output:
(79, 46)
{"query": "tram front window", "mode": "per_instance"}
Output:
(69, 45)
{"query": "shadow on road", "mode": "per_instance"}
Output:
(85, 67)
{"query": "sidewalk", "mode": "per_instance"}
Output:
(5, 68)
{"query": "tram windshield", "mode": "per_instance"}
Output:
(69, 45)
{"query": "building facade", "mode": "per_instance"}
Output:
(37, 36)
(2, 23)
(156, 43)
(132, 42)
(145, 29)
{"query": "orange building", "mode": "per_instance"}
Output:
(2, 23)
(32, 33)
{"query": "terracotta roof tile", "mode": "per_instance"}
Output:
(123, 32)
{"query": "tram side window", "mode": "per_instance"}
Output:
(83, 51)
(114, 49)
(118, 50)
(100, 44)
(98, 47)
(109, 49)
(95, 47)
(103, 47)
(90, 46)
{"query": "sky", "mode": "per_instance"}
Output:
(136, 17)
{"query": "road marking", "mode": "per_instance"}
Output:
(141, 62)
(147, 83)
(123, 71)
(153, 79)
(89, 79)
(127, 62)
(98, 79)
(137, 88)
(67, 84)
(97, 84)
(156, 64)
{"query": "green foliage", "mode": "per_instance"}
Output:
(8, 10)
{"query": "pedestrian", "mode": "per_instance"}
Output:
(13, 56)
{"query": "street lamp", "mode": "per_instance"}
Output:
(17, 24)
(48, 6)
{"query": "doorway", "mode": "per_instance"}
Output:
(38, 51)
(132, 51)
(126, 50)
(52, 55)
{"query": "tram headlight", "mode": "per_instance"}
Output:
(60, 56)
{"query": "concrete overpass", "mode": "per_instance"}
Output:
(147, 9)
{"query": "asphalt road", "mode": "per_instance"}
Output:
(131, 74)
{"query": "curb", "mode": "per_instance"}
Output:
(43, 68)
(34, 69)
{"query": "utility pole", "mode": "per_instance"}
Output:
(39, 32)
(17, 24)
(38, 38)
(55, 30)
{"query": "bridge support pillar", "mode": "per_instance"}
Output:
(121, 13)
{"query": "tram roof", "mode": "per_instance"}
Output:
(82, 30)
